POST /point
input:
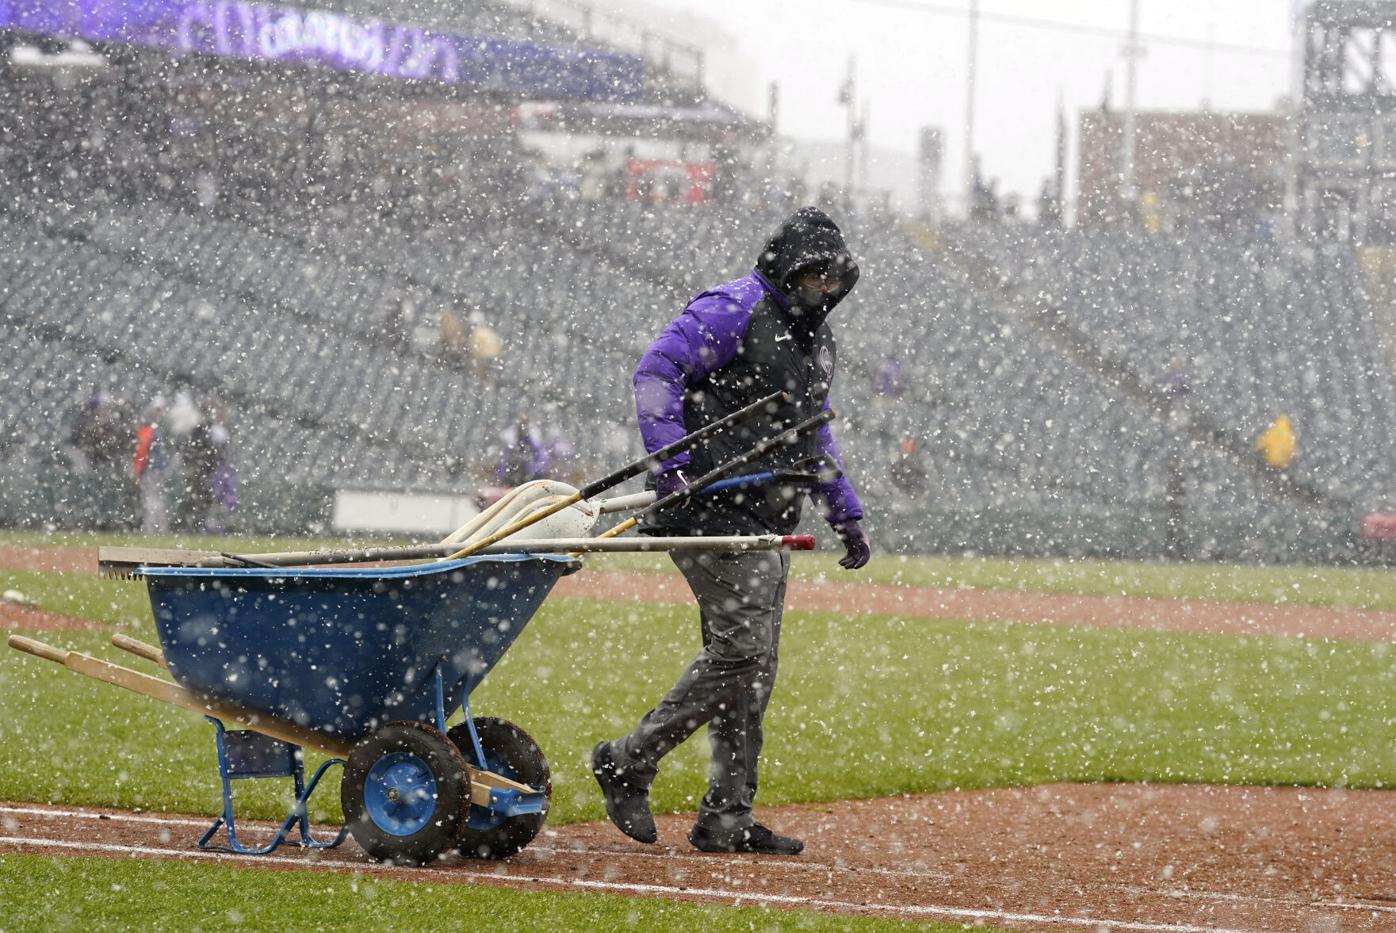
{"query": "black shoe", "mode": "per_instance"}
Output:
(627, 800)
(755, 838)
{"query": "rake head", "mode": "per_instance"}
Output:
(121, 563)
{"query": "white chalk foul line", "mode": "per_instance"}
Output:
(820, 867)
(808, 866)
(1344, 905)
(666, 856)
(748, 897)
(108, 817)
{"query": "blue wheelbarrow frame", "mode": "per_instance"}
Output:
(341, 651)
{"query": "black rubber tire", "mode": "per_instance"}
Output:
(505, 742)
(452, 793)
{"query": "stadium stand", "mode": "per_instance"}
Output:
(1030, 417)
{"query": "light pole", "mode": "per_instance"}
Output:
(1132, 52)
(848, 97)
(970, 72)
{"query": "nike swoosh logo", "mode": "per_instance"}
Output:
(785, 337)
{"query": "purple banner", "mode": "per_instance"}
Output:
(236, 29)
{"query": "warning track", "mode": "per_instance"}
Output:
(1167, 615)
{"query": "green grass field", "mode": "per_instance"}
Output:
(40, 893)
(866, 706)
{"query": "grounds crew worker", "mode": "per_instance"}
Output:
(732, 345)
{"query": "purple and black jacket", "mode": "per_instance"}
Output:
(732, 345)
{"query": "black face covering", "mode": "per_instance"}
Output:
(810, 299)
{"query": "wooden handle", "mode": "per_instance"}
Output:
(175, 695)
(620, 529)
(139, 648)
(38, 649)
(157, 689)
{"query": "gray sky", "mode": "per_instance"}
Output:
(911, 66)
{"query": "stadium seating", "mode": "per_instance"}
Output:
(299, 325)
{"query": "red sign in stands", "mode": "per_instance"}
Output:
(1379, 526)
(663, 181)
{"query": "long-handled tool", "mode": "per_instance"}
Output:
(123, 562)
(806, 473)
(700, 485)
(210, 560)
(631, 470)
(120, 562)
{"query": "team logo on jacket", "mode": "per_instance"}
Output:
(826, 361)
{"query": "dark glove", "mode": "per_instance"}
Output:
(668, 483)
(855, 540)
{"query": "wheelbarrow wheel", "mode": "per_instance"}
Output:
(404, 789)
(508, 751)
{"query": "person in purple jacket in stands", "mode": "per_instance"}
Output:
(732, 345)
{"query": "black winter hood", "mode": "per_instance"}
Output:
(807, 238)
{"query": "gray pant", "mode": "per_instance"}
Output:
(740, 598)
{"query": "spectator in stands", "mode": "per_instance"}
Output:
(888, 416)
(562, 456)
(101, 434)
(887, 382)
(1176, 389)
(1277, 444)
(149, 465)
(404, 321)
(454, 335)
(619, 187)
(183, 416)
(181, 421)
(201, 456)
(591, 183)
(523, 455)
(485, 348)
(731, 346)
(908, 469)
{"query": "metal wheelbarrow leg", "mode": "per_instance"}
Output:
(244, 755)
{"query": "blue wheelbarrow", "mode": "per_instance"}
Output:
(364, 665)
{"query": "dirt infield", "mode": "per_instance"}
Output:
(1158, 858)
(31, 619)
(48, 558)
(1057, 857)
(1206, 616)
